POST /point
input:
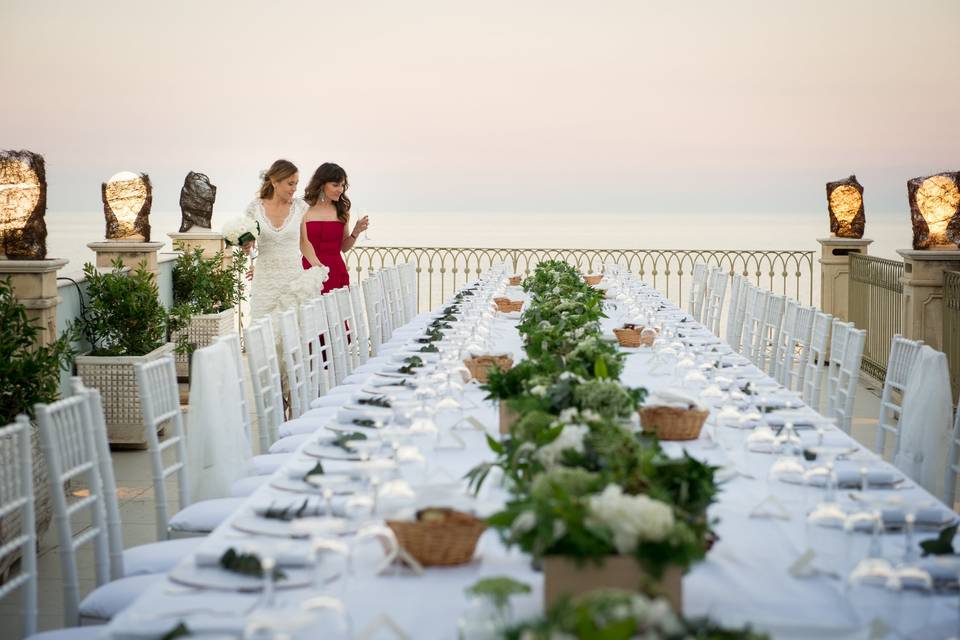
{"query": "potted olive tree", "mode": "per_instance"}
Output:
(125, 323)
(29, 373)
(207, 290)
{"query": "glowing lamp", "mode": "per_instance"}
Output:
(845, 203)
(935, 210)
(127, 198)
(196, 201)
(23, 203)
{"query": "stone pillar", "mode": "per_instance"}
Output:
(922, 315)
(835, 273)
(132, 253)
(210, 241)
(35, 286)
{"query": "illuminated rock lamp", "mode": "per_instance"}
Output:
(935, 210)
(196, 201)
(23, 203)
(127, 198)
(845, 203)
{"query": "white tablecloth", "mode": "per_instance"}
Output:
(744, 579)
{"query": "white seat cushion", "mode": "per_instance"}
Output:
(355, 378)
(107, 601)
(290, 443)
(245, 486)
(307, 424)
(204, 516)
(334, 400)
(157, 557)
(266, 463)
(73, 633)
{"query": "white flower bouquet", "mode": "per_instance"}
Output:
(240, 230)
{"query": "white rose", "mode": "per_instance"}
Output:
(631, 519)
(523, 523)
(571, 438)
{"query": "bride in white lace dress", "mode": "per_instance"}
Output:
(279, 281)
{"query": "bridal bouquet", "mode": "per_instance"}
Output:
(240, 230)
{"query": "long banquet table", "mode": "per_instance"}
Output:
(745, 578)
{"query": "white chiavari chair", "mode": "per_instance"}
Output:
(698, 287)
(66, 432)
(713, 302)
(409, 273)
(757, 300)
(362, 323)
(797, 349)
(16, 499)
(903, 357)
(349, 321)
(232, 340)
(294, 365)
(403, 284)
(735, 312)
(338, 339)
(394, 298)
(160, 399)
(265, 379)
(844, 372)
(783, 338)
(816, 361)
(373, 300)
(953, 463)
(312, 353)
(767, 338)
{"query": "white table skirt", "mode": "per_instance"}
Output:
(744, 578)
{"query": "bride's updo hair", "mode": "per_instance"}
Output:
(329, 172)
(279, 170)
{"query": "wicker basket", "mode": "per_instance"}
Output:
(448, 541)
(515, 281)
(673, 423)
(201, 332)
(593, 279)
(10, 524)
(634, 337)
(480, 366)
(506, 305)
(115, 379)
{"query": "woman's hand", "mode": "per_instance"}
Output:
(361, 226)
(248, 246)
(250, 273)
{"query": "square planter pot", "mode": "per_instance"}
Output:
(201, 332)
(563, 576)
(114, 377)
(507, 417)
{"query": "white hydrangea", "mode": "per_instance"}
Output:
(570, 375)
(569, 415)
(631, 519)
(523, 523)
(539, 390)
(655, 613)
(235, 228)
(589, 415)
(570, 438)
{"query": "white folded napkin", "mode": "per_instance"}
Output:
(316, 506)
(286, 554)
(848, 477)
(673, 398)
(352, 412)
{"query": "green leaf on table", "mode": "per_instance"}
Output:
(179, 631)
(942, 545)
(364, 422)
(247, 564)
(316, 471)
(430, 348)
(498, 589)
(345, 437)
(375, 401)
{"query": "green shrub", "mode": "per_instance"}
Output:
(206, 285)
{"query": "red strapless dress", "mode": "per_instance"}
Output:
(326, 236)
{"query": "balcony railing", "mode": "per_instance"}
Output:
(876, 301)
(951, 326)
(441, 270)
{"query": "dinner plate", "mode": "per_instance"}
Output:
(283, 528)
(329, 452)
(302, 486)
(220, 579)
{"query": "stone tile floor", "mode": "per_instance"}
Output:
(135, 493)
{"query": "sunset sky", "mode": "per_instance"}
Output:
(626, 106)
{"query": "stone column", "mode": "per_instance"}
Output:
(835, 273)
(210, 241)
(35, 286)
(922, 315)
(132, 253)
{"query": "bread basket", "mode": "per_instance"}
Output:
(439, 536)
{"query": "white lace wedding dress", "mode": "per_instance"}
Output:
(279, 280)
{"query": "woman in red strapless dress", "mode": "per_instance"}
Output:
(324, 235)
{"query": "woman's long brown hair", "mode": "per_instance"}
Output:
(279, 170)
(329, 172)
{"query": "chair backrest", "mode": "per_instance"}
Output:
(953, 463)
(294, 365)
(312, 355)
(373, 301)
(394, 298)
(408, 271)
(698, 289)
(67, 436)
(322, 329)
(265, 379)
(766, 345)
(783, 339)
(737, 291)
(362, 324)
(816, 359)
(160, 399)
(713, 302)
(404, 285)
(900, 365)
(101, 442)
(16, 499)
(847, 362)
(232, 340)
(349, 321)
(753, 325)
(338, 339)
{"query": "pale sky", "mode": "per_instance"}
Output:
(632, 106)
